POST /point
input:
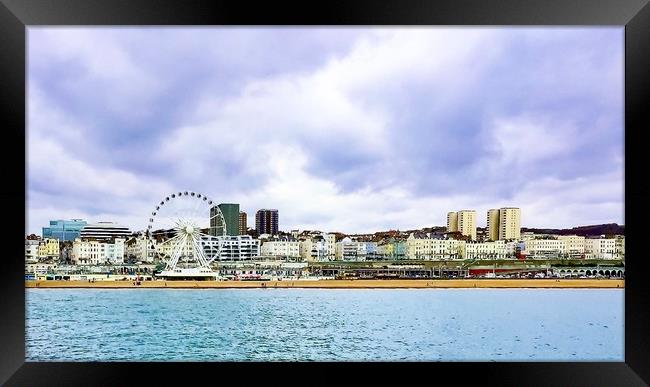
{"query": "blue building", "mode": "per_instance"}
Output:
(64, 230)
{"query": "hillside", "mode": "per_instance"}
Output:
(593, 230)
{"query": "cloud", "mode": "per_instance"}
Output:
(355, 129)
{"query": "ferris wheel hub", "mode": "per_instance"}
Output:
(189, 229)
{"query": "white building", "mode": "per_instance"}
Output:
(330, 246)
(222, 247)
(233, 247)
(31, 250)
(485, 250)
(428, 248)
(318, 247)
(549, 247)
(88, 252)
(94, 252)
(620, 247)
(371, 250)
(139, 249)
(574, 245)
(313, 249)
(115, 251)
(349, 250)
(289, 249)
(600, 248)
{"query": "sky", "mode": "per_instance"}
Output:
(341, 129)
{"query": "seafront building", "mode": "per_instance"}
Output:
(49, 248)
(433, 247)
(371, 250)
(392, 249)
(330, 244)
(600, 248)
(350, 250)
(282, 248)
(574, 246)
(96, 252)
(546, 248)
(386, 250)
(64, 230)
(109, 243)
(41, 249)
(138, 248)
(31, 250)
(104, 231)
(233, 247)
(225, 247)
(486, 250)
(314, 248)
(619, 247)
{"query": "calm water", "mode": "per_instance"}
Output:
(325, 324)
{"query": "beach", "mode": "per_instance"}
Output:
(341, 284)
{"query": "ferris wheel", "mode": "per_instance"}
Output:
(182, 232)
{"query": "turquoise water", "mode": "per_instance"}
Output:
(324, 324)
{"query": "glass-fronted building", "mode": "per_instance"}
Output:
(64, 230)
(230, 213)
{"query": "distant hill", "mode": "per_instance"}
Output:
(594, 230)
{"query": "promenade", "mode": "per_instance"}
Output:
(341, 284)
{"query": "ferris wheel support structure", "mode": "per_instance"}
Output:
(176, 233)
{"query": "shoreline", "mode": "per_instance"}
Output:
(341, 284)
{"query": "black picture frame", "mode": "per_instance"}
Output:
(17, 15)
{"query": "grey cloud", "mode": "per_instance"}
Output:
(440, 130)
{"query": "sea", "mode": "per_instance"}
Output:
(324, 324)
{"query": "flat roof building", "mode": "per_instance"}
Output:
(452, 221)
(504, 223)
(463, 221)
(104, 231)
(266, 221)
(243, 223)
(64, 230)
(230, 213)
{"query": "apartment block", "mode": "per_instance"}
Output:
(463, 221)
(504, 223)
